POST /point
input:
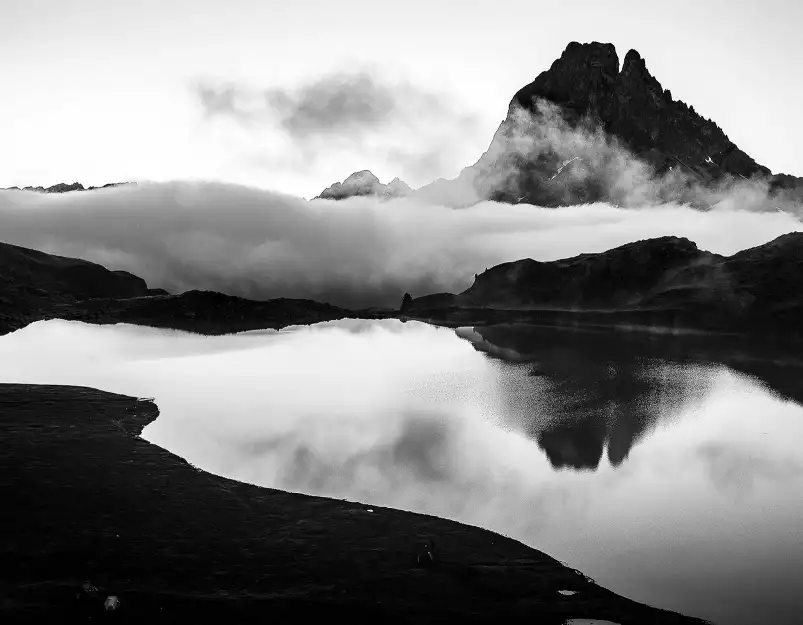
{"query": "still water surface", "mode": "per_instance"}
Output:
(670, 470)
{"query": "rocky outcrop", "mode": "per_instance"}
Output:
(406, 301)
(203, 312)
(364, 183)
(666, 281)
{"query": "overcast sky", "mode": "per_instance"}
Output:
(292, 96)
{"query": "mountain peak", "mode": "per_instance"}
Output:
(362, 183)
(632, 58)
(364, 177)
(594, 53)
(632, 105)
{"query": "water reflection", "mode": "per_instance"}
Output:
(605, 390)
(653, 464)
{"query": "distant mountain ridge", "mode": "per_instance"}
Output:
(666, 281)
(364, 183)
(63, 187)
(35, 285)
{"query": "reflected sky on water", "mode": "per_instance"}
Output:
(667, 468)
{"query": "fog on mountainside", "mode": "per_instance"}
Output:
(623, 160)
(354, 253)
(586, 131)
(538, 157)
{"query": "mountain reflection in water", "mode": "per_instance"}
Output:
(669, 469)
(605, 390)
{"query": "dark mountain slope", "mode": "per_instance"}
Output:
(31, 281)
(665, 281)
(35, 285)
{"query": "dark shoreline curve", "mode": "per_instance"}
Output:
(85, 498)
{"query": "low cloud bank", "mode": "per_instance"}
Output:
(356, 252)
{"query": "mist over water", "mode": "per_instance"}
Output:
(672, 480)
(356, 253)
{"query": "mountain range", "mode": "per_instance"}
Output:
(577, 124)
(607, 114)
(587, 129)
(72, 451)
(665, 282)
(63, 187)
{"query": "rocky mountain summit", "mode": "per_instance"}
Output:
(362, 183)
(588, 130)
(633, 106)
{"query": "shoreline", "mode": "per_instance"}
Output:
(92, 500)
(212, 314)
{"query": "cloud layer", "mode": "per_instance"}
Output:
(356, 252)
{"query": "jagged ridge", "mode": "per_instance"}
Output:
(63, 187)
(363, 183)
(635, 114)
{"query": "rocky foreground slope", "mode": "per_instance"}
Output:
(85, 499)
(666, 282)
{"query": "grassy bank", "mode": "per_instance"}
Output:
(85, 499)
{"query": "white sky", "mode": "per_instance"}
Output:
(102, 90)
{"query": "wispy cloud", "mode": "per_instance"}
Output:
(416, 133)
